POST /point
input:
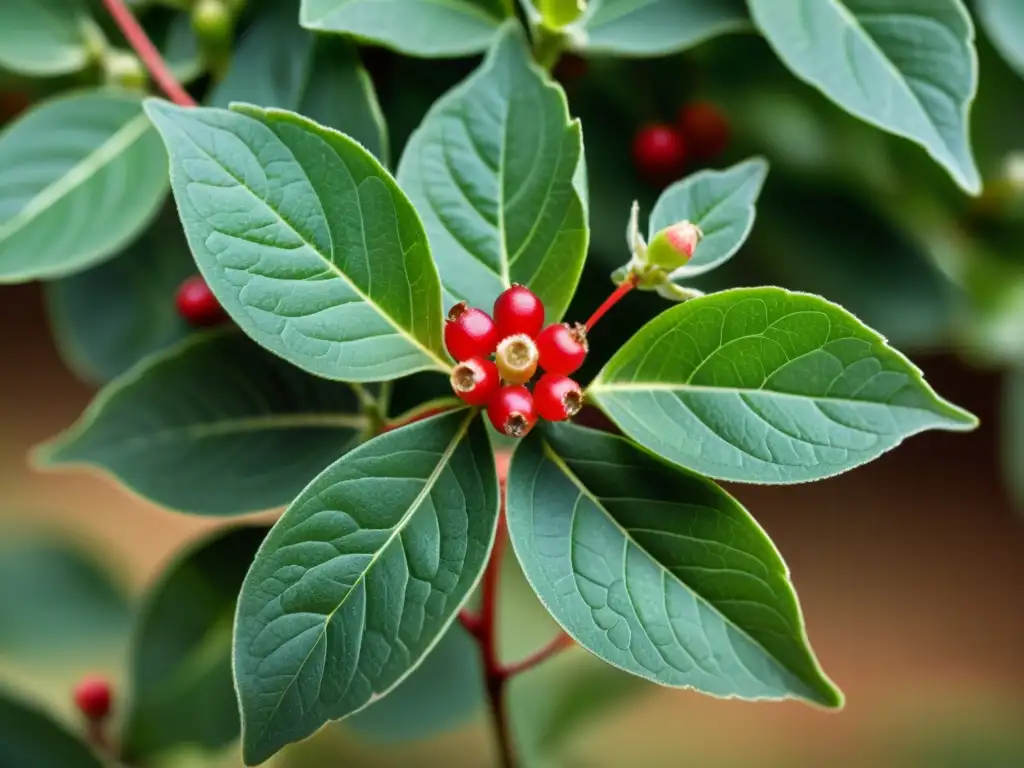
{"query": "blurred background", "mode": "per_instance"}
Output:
(910, 570)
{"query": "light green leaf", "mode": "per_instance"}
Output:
(31, 739)
(721, 203)
(764, 385)
(43, 38)
(657, 570)
(906, 66)
(430, 28)
(182, 689)
(657, 27)
(213, 426)
(492, 170)
(1013, 434)
(1003, 22)
(306, 241)
(81, 176)
(107, 318)
(361, 577)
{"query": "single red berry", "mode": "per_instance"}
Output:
(562, 348)
(469, 332)
(557, 398)
(516, 358)
(705, 129)
(475, 380)
(93, 697)
(659, 152)
(518, 310)
(511, 411)
(197, 304)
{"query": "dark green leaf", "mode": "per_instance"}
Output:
(657, 570)
(182, 689)
(214, 426)
(44, 38)
(306, 240)
(1003, 22)
(493, 171)
(361, 577)
(657, 27)
(764, 385)
(31, 739)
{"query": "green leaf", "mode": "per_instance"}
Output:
(1013, 434)
(657, 27)
(182, 689)
(657, 570)
(492, 170)
(83, 176)
(213, 426)
(31, 739)
(181, 50)
(107, 318)
(1003, 22)
(430, 28)
(306, 241)
(43, 38)
(906, 66)
(721, 203)
(764, 385)
(442, 693)
(361, 577)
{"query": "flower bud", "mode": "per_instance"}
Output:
(560, 13)
(673, 246)
(123, 69)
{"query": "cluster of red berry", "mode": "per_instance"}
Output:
(519, 343)
(661, 151)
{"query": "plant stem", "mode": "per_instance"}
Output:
(487, 636)
(147, 53)
(610, 302)
(559, 643)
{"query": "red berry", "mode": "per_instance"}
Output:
(518, 310)
(475, 380)
(659, 152)
(705, 128)
(197, 304)
(562, 349)
(93, 697)
(511, 411)
(516, 358)
(557, 397)
(469, 332)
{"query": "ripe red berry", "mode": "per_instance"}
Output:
(512, 412)
(93, 697)
(705, 129)
(197, 304)
(469, 332)
(518, 310)
(562, 348)
(659, 152)
(475, 380)
(517, 358)
(557, 398)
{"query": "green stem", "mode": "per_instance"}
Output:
(548, 46)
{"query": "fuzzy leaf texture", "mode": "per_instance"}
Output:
(361, 577)
(493, 170)
(43, 38)
(306, 241)
(30, 738)
(657, 570)
(764, 385)
(906, 66)
(213, 426)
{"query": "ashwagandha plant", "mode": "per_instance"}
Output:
(356, 277)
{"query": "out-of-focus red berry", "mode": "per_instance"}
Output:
(705, 129)
(659, 153)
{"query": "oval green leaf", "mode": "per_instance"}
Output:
(182, 690)
(1003, 22)
(31, 739)
(764, 385)
(493, 171)
(306, 241)
(213, 426)
(657, 27)
(83, 175)
(657, 570)
(721, 203)
(906, 66)
(43, 38)
(361, 577)
(429, 28)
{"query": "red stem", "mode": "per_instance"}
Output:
(610, 302)
(147, 53)
(559, 643)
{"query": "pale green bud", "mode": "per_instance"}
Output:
(673, 246)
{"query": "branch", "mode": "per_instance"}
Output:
(610, 302)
